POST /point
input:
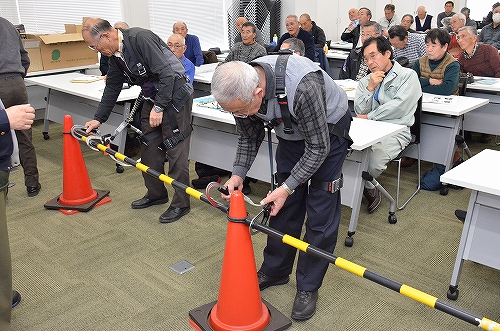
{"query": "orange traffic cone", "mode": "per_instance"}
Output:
(78, 194)
(239, 306)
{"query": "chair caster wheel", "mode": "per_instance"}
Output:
(392, 219)
(119, 168)
(444, 190)
(46, 136)
(349, 241)
(452, 294)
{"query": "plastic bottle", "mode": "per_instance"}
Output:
(325, 48)
(275, 39)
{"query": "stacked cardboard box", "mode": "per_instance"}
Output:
(54, 51)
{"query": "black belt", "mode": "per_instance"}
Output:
(331, 187)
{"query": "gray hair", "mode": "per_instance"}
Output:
(234, 80)
(465, 11)
(378, 27)
(461, 17)
(471, 29)
(96, 29)
(296, 45)
(293, 16)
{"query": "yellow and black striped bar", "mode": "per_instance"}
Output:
(410, 292)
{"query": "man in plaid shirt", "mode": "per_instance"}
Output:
(312, 152)
(409, 45)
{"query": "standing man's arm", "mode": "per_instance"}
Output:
(25, 60)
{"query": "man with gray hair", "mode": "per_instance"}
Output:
(312, 144)
(193, 48)
(294, 30)
(468, 20)
(355, 65)
(295, 45)
(457, 21)
(142, 58)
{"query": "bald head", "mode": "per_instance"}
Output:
(421, 12)
(353, 14)
(180, 28)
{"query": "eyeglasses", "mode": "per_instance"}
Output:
(94, 48)
(239, 113)
(175, 45)
(372, 56)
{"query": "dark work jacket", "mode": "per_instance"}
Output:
(303, 35)
(351, 65)
(318, 35)
(6, 146)
(354, 35)
(144, 47)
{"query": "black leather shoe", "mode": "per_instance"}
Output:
(16, 298)
(304, 305)
(33, 190)
(374, 198)
(266, 281)
(147, 202)
(173, 214)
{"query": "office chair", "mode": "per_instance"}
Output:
(415, 142)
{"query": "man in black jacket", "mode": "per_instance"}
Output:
(364, 15)
(310, 26)
(142, 58)
(355, 66)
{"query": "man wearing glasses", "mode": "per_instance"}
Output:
(177, 45)
(313, 151)
(140, 57)
(390, 93)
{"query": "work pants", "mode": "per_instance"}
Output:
(13, 92)
(178, 157)
(322, 209)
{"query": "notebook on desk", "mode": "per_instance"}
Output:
(86, 79)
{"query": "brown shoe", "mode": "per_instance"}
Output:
(407, 162)
(374, 198)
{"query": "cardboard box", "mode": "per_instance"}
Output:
(64, 49)
(32, 46)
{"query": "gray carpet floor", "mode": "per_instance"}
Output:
(108, 269)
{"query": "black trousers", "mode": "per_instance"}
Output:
(321, 207)
(13, 92)
(178, 157)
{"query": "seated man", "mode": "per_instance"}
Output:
(306, 23)
(423, 21)
(353, 22)
(239, 24)
(409, 45)
(448, 12)
(407, 22)
(389, 20)
(390, 93)
(490, 34)
(193, 48)
(456, 22)
(438, 70)
(364, 15)
(295, 45)
(247, 49)
(355, 66)
(294, 30)
(177, 45)
(468, 20)
(478, 59)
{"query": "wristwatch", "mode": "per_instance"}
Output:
(158, 109)
(287, 189)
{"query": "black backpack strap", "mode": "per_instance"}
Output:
(280, 72)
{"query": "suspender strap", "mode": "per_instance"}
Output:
(331, 187)
(145, 139)
(280, 72)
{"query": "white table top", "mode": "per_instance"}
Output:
(340, 45)
(481, 173)
(204, 73)
(363, 132)
(337, 54)
(478, 86)
(92, 91)
(459, 105)
(61, 70)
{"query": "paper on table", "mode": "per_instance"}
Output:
(347, 84)
(439, 99)
(486, 81)
(86, 79)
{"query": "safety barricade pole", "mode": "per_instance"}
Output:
(407, 291)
